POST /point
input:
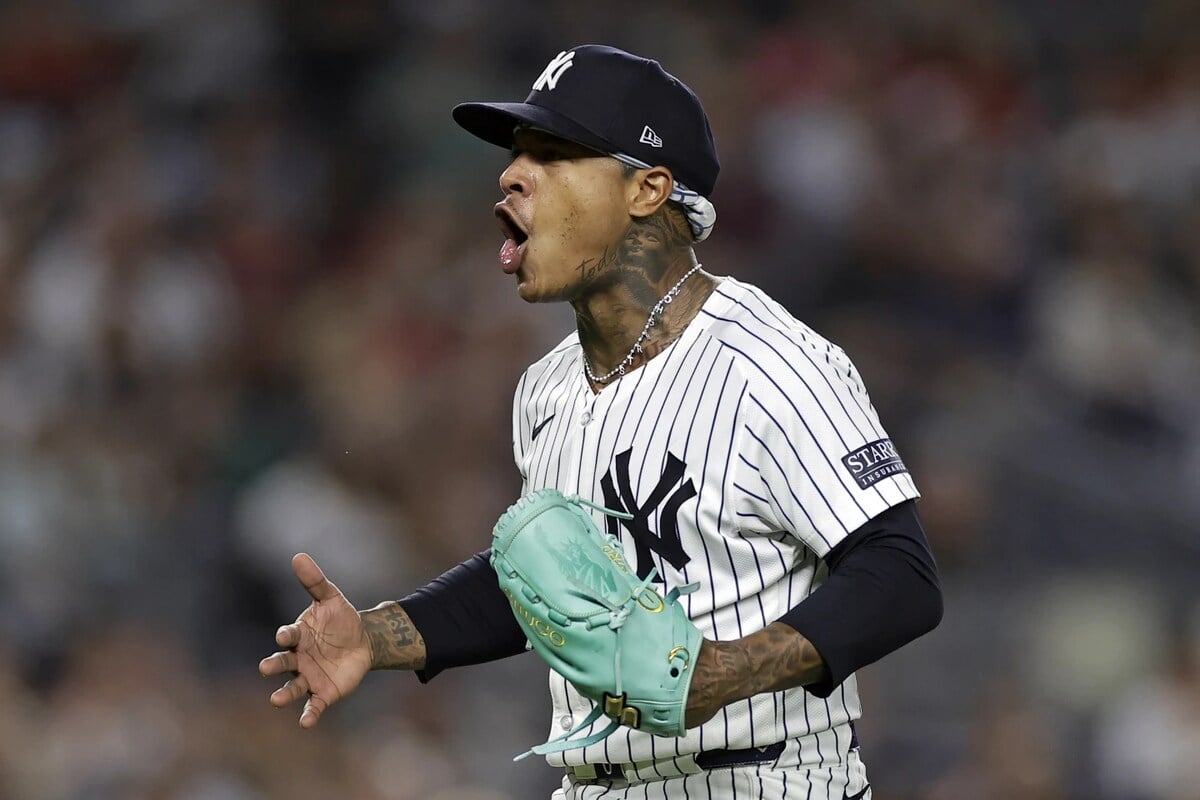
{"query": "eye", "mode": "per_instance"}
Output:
(542, 152)
(545, 153)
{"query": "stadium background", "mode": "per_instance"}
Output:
(250, 304)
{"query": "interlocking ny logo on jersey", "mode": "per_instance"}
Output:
(873, 462)
(665, 499)
(554, 70)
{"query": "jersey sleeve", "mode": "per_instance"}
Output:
(814, 459)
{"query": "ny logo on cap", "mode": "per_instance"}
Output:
(554, 70)
(650, 137)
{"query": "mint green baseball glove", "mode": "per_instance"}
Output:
(590, 617)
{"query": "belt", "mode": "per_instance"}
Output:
(709, 759)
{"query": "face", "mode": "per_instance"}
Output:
(565, 207)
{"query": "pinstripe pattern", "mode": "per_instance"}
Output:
(846, 780)
(760, 410)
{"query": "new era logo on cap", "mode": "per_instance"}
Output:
(650, 137)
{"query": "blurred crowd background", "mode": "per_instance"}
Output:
(250, 305)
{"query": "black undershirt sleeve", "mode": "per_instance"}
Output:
(464, 618)
(882, 592)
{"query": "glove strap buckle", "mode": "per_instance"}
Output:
(615, 708)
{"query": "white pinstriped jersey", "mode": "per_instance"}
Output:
(733, 447)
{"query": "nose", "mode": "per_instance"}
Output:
(517, 178)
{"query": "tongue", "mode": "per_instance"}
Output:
(510, 255)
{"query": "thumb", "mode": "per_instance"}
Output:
(312, 578)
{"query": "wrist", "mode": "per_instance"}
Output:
(734, 675)
(392, 641)
(720, 671)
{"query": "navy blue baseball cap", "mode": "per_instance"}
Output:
(613, 102)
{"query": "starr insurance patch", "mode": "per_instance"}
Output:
(873, 462)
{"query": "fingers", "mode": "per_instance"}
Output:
(288, 636)
(278, 664)
(312, 578)
(290, 692)
(312, 712)
(320, 589)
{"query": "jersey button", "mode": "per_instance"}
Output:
(585, 418)
(565, 723)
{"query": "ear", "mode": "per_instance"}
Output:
(648, 190)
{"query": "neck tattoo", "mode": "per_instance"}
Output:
(655, 315)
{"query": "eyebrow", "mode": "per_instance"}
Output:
(537, 139)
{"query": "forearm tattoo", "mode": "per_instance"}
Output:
(716, 679)
(781, 658)
(775, 658)
(395, 641)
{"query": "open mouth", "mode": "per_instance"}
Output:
(510, 225)
(513, 249)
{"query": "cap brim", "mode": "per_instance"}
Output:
(494, 123)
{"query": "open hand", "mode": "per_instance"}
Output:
(326, 649)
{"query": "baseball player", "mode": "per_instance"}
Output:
(742, 446)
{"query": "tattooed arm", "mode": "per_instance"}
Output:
(777, 657)
(395, 642)
(883, 591)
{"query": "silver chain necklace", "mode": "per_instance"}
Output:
(655, 314)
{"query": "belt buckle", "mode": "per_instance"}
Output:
(598, 772)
